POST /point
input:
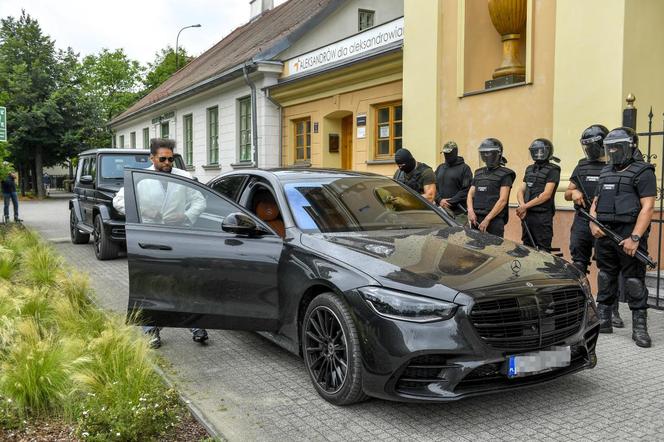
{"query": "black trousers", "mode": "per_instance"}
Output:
(581, 242)
(540, 225)
(611, 261)
(496, 226)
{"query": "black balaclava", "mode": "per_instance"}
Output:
(405, 160)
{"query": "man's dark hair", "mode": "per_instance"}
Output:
(158, 143)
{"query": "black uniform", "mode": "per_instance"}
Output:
(487, 184)
(539, 219)
(422, 175)
(585, 177)
(618, 206)
(453, 182)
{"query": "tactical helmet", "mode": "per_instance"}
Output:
(541, 149)
(592, 141)
(491, 152)
(620, 145)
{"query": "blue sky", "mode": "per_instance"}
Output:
(141, 27)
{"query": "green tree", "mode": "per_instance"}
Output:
(163, 67)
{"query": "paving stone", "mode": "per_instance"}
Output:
(251, 389)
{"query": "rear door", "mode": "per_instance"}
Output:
(184, 271)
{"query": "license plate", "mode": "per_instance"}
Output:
(538, 362)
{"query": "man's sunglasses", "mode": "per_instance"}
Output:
(164, 159)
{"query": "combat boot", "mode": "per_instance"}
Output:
(640, 328)
(6, 219)
(604, 313)
(616, 320)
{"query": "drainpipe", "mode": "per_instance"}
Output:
(254, 123)
(279, 108)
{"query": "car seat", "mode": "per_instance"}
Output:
(267, 210)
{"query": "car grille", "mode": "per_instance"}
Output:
(529, 322)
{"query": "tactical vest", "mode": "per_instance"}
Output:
(617, 200)
(535, 179)
(487, 190)
(587, 173)
(414, 181)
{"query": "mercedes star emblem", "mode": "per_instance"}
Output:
(516, 266)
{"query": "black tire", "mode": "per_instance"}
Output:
(104, 247)
(77, 237)
(331, 350)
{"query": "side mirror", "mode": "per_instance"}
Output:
(241, 224)
(86, 179)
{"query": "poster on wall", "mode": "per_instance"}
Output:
(384, 132)
(361, 132)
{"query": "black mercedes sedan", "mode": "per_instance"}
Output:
(380, 293)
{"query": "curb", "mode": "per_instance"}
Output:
(198, 414)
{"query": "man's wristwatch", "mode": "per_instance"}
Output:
(634, 237)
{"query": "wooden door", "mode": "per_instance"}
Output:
(347, 143)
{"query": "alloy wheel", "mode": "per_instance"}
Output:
(326, 349)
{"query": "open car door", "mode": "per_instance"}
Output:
(184, 269)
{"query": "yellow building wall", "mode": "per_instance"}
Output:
(515, 115)
(588, 74)
(643, 67)
(422, 66)
(327, 112)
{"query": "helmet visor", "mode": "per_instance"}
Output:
(618, 151)
(539, 153)
(491, 158)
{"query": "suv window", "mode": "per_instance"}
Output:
(113, 165)
(82, 167)
(230, 186)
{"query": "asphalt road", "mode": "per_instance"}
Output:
(250, 389)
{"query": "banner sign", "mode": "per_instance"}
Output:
(358, 44)
(3, 124)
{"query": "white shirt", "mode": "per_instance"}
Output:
(156, 203)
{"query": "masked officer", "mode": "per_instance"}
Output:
(417, 176)
(536, 196)
(453, 179)
(490, 190)
(581, 189)
(625, 199)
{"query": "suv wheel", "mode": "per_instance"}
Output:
(77, 237)
(104, 247)
(331, 349)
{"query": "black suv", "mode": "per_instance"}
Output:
(99, 175)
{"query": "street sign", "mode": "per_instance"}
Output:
(3, 124)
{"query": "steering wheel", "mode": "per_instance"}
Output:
(388, 217)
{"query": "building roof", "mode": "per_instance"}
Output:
(260, 39)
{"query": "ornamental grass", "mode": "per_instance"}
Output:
(62, 356)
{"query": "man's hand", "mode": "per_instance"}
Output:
(484, 225)
(577, 197)
(596, 231)
(175, 219)
(472, 218)
(445, 204)
(521, 212)
(629, 246)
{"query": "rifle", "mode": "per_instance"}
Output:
(641, 256)
(529, 233)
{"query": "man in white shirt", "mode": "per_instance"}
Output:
(163, 202)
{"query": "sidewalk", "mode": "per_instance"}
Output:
(250, 389)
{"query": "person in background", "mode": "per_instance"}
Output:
(417, 176)
(46, 181)
(9, 194)
(453, 178)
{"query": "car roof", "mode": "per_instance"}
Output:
(298, 173)
(116, 151)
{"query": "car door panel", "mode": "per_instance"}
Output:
(199, 277)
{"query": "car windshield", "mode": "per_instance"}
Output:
(113, 166)
(345, 204)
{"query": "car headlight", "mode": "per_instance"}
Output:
(397, 305)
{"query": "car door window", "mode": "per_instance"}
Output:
(164, 200)
(92, 168)
(230, 186)
(82, 169)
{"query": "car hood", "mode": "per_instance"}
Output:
(442, 262)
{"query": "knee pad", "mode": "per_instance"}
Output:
(634, 289)
(604, 281)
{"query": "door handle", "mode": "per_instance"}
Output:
(154, 246)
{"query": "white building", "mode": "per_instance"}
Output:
(207, 105)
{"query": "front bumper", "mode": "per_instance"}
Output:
(448, 360)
